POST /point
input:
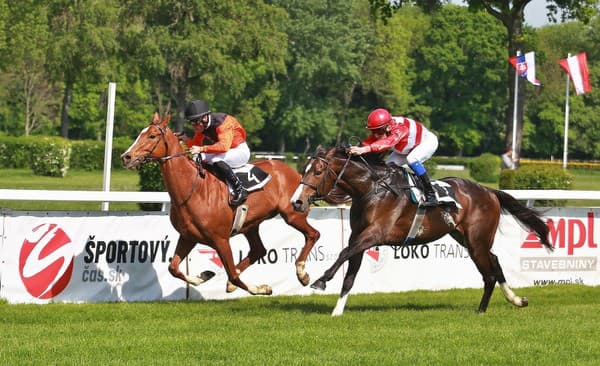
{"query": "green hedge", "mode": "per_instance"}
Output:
(486, 168)
(15, 152)
(53, 156)
(151, 181)
(538, 176)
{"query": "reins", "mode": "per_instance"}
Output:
(380, 179)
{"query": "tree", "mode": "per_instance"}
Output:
(82, 46)
(327, 48)
(26, 77)
(547, 110)
(511, 14)
(227, 53)
(461, 77)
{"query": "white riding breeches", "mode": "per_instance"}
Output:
(235, 157)
(421, 152)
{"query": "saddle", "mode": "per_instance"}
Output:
(252, 177)
(444, 192)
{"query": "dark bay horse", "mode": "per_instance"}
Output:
(200, 211)
(382, 215)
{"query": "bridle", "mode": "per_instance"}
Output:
(164, 158)
(148, 157)
(318, 188)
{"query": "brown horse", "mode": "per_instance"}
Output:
(200, 211)
(382, 213)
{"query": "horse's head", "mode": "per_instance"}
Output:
(150, 144)
(321, 175)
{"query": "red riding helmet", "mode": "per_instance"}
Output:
(378, 118)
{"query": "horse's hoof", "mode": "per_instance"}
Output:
(318, 285)
(206, 275)
(524, 302)
(230, 287)
(264, 290)
(304, 280)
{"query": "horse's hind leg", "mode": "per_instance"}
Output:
(311, 235)
(353, 267)
(479, 251)
(224, 250)
(257, 251)
(181, 251)
(506, 290)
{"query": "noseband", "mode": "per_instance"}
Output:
(162, 137)
(318, 188)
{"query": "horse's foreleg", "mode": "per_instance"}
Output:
(311, 235)
(353, 267)
(354, 247)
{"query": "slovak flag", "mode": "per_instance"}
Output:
(577, 68)
(525, 66)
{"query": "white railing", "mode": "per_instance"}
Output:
(163, 197)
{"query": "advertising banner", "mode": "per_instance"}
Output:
(105, 257)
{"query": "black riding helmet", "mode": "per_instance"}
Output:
(196, 109)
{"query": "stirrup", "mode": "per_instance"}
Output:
(239, 196)
(430, 201)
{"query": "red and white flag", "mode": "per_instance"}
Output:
(577, 68)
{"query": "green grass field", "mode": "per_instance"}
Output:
(560, 327)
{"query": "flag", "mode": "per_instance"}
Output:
(525, 66)
(577, 68)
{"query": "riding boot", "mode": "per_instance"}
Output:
(430, 197)
(239, 192)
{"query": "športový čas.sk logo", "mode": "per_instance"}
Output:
(46, 261)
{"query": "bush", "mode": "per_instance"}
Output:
(87, 155)
(507, 179)
(50, 156)
(15, 152)
(541, 176)
(151, 181)
(486, 168)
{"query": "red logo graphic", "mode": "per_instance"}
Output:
(373, 253)
(569, 234)
(46, 261)
(214, 257)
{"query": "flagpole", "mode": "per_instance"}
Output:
(514, 131)
(566, 141)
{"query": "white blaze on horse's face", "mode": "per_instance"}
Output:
(297, 193)
(130, 162)
(137, 139)
(308, 167)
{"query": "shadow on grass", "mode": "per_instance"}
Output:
(326, 308)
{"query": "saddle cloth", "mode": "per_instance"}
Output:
(443, 191)
(252, 177)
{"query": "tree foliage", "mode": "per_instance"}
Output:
(296, 73)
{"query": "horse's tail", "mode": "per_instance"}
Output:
(528, 217)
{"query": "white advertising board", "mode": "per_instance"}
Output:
(103, 257)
